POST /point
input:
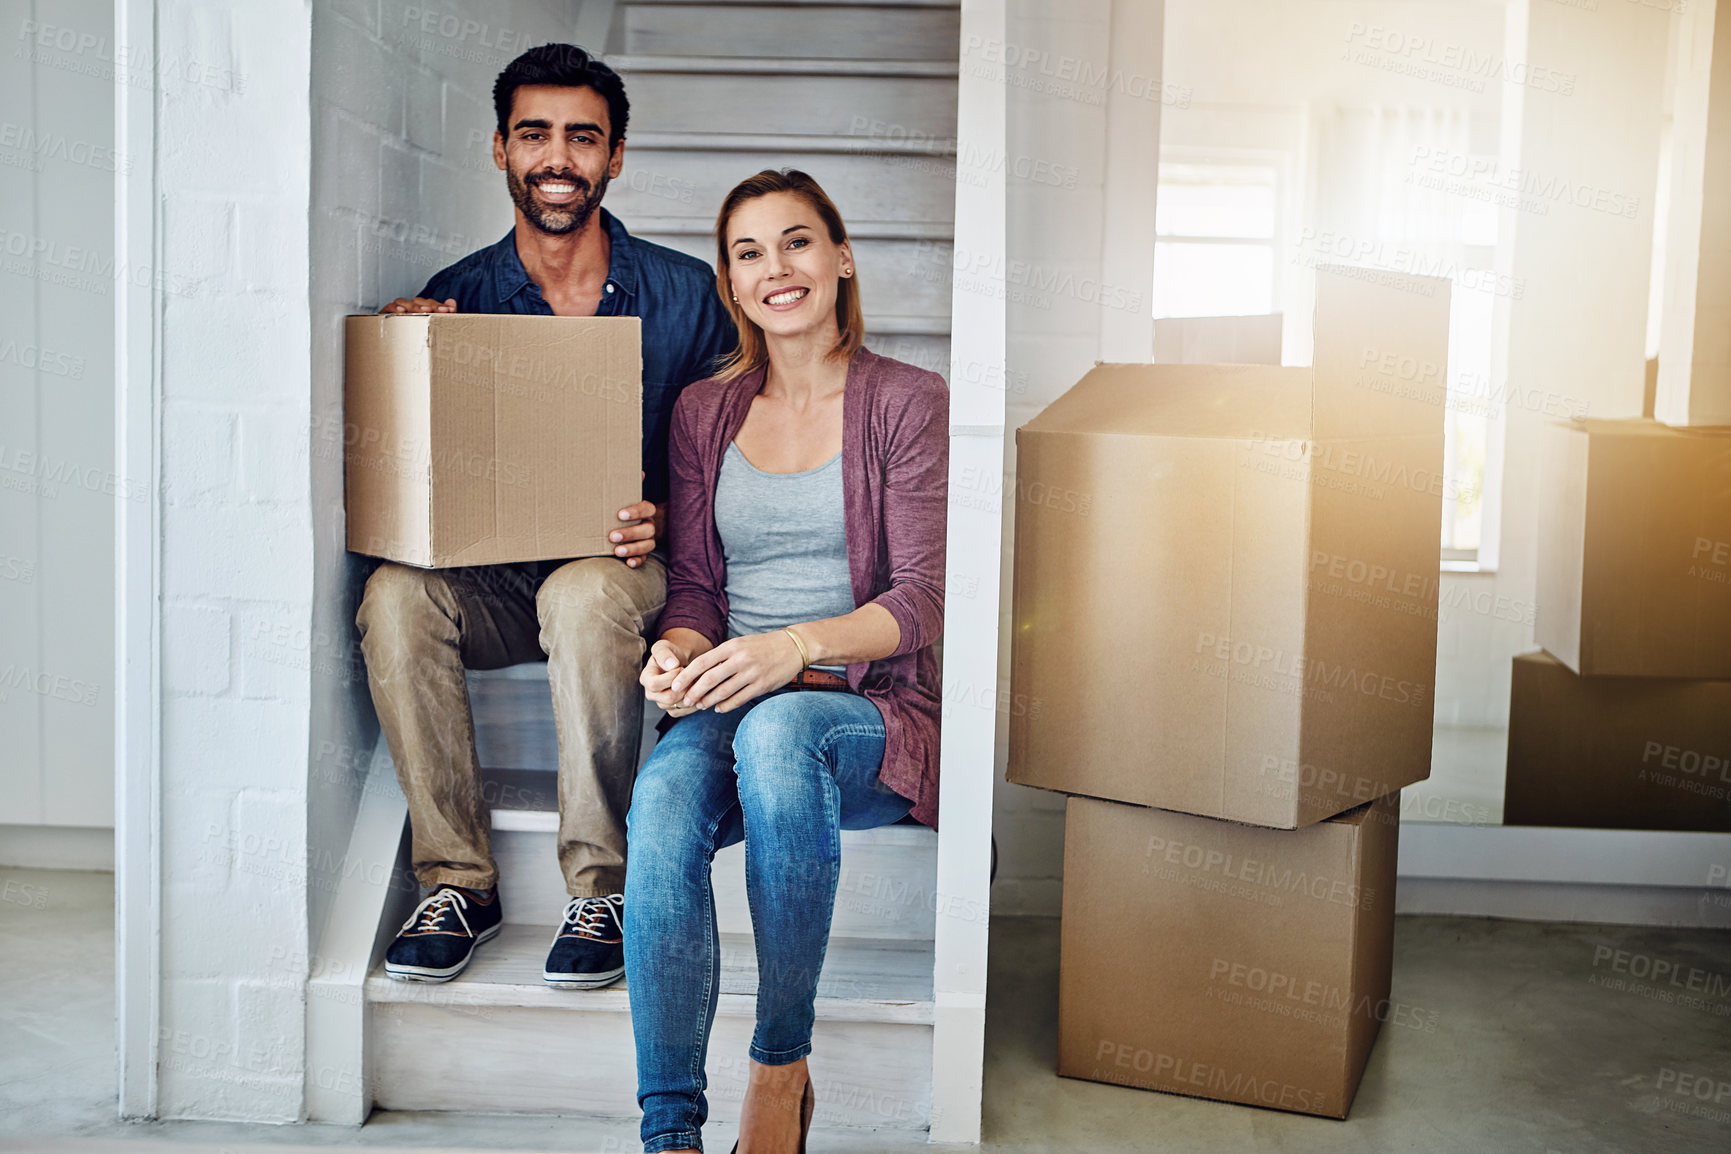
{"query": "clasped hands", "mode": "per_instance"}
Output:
(723, 678)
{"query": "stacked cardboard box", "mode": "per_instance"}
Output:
(1233, 684)
(1624, 721)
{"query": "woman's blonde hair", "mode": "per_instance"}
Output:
(849, 318)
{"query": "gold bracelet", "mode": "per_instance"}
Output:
(804, 653)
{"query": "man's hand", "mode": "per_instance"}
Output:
(420, 305)
(666, 660)
(636, 541)
(736, 671)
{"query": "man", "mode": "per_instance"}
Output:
(560, 139)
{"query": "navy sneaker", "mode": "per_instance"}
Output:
(441, 935)
(589, 949)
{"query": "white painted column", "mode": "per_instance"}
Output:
(969, 741)
(137, 686)
(1132, 156)
(1695, 326)
(231, 200)
(1085, 98)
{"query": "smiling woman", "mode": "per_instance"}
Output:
(808, 526)
(772, 226)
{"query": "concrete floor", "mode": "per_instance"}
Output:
(1530, 1052)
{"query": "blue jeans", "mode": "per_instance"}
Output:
(785, 775)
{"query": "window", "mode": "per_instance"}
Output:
(1216, 231)
(1219, 252)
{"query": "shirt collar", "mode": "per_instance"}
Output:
(510, 277)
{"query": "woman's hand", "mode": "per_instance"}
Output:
(666, 660)
(736, 671)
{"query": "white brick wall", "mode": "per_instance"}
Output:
(402, 185)
(234, 137)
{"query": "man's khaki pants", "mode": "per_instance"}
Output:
(421, 627)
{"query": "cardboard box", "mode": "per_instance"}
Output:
(1226, 576)
(1616, 752)
(1634, 549)
(474, 439)
(1225, 961)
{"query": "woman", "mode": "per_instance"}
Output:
(805, 592)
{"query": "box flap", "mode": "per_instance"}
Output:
(1381, 353)
(387, 437)
(1240, 402)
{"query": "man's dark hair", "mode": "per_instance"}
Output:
(567, 66)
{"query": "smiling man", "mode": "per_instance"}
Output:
(560, 140)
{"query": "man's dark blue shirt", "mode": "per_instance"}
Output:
(685, 329)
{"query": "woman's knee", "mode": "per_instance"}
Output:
(776, 731)
(673, 803)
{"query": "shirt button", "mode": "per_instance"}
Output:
(609, 288)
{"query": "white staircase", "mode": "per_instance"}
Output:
(500, 1040)
(860, 95)
(863, 96)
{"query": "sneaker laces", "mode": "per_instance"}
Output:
(430, 914)
(588, 917)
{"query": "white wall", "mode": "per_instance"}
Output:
(57, 485)
(233, 151)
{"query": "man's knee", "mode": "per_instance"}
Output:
(597, 592)
(399, 605)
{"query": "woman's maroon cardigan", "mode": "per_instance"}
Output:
(895, 469)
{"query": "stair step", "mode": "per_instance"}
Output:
(863, 980)
(822, 101)
(955, 4)
(628, 65)
(863, 142)
(887, 888)
(500, 1040)
(858, 230)
(878, 192)
(929, 351)
(923, 32)
(904, 284)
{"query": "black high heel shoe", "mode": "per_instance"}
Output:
(807, 1107)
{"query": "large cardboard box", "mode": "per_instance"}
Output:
(1226, 961)
(474, 439)
(1634, 549)
(1226, 576)
(1616, 752)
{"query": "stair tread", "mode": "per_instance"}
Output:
(801, 3)
(783, 66)
(942, 230)
(791, 142)
(863, 980)
(527, 801)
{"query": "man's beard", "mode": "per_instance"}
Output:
(565, 218)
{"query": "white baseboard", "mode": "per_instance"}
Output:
(1566, 902)
(57, 847)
